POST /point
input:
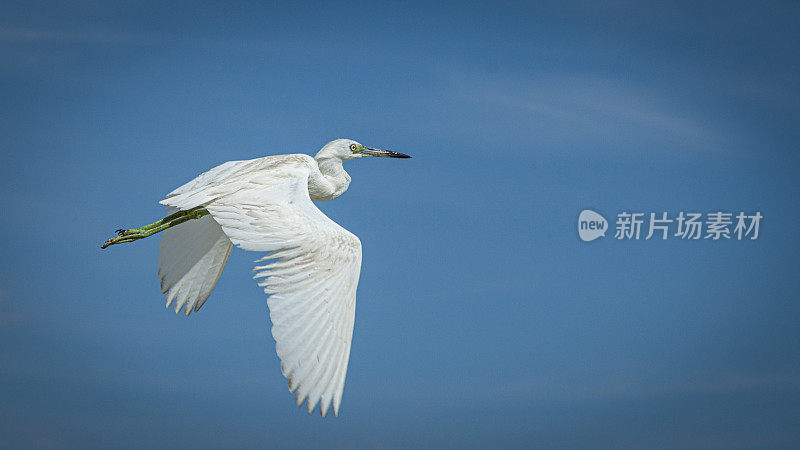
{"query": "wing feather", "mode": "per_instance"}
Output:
(191, 258)
(311, 268)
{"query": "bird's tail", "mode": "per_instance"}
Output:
(191, 258)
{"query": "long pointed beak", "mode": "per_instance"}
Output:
(382, 153)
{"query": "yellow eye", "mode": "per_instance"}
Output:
(353, 147)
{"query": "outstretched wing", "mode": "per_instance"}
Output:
(311, 270)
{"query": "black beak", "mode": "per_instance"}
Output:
(382, 153)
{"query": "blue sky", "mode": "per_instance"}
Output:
(482, 319)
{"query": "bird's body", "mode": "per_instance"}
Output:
(310, 268)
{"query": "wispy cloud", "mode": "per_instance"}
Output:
(22, 34)
(537, 389)
(588, 108)
(644, 388)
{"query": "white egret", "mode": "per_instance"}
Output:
(310, 269)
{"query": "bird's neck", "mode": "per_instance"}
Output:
(331, 182)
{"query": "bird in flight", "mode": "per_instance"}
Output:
(310, 269)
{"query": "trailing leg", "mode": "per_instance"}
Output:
(134, 234)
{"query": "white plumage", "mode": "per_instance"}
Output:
(190, 261)
(310, 267)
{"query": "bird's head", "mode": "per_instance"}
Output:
(347, 149)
